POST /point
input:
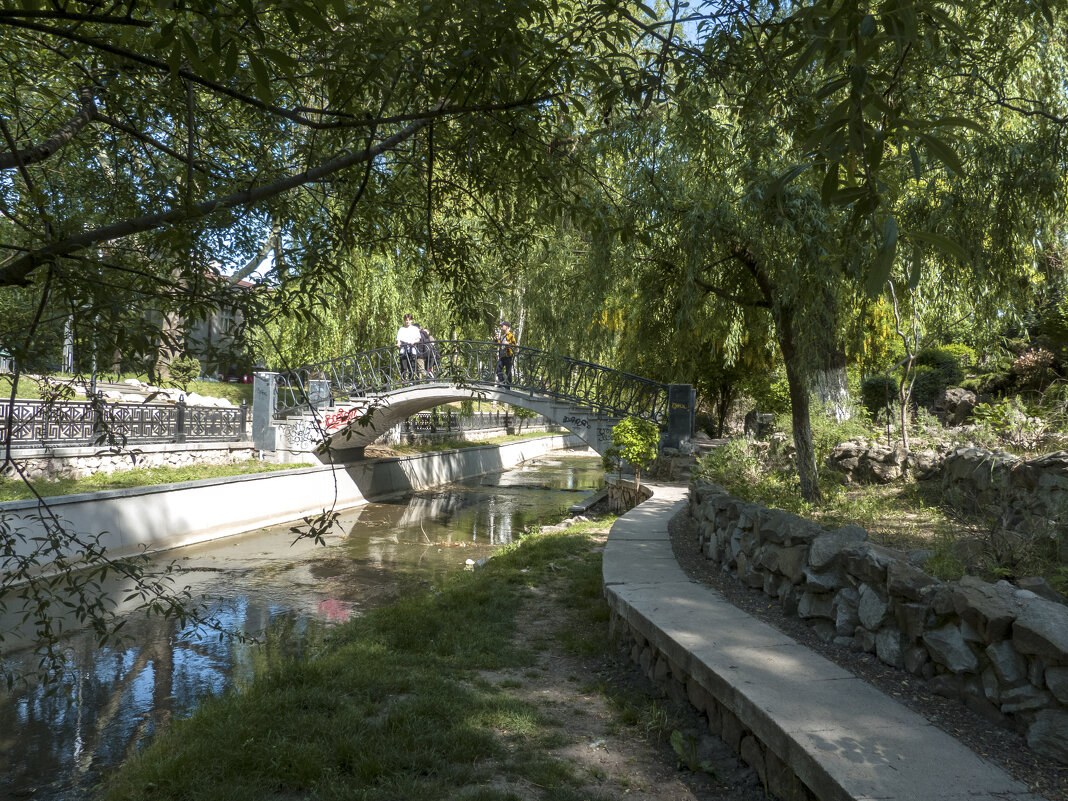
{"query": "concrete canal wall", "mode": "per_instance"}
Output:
(131, 521)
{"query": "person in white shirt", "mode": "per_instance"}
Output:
(408, 337)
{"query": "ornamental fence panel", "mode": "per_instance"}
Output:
(36, 423)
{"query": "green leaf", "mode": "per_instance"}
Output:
(915, 157)
(263, 79)
(942, 152)
(884, 259)
(867, 25)
(943, 243)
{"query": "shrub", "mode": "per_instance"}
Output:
(1033, 368)
(634, 441)
(183, 370)
(878, 392)
(927, 385)
(945, 362)
(965, 356)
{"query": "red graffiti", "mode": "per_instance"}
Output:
(338, 419)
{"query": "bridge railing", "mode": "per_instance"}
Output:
(473, 363)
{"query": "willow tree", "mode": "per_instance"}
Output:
(807, 153)
(142, 142)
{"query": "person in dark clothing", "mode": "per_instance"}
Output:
(506, 344)
(430, 353)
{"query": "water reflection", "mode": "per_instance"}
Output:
(111, 701)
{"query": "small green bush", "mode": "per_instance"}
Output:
(965, 356)
(878, 392)
(184, 370)
(944, 361)
(927, 385)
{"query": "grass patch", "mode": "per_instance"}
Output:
(386, 710)
(30, 388)
(13, 489)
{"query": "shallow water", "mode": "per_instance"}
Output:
(112, 700)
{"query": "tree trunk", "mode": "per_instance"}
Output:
(800, 414)
(830, 384)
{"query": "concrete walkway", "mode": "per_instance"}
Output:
(842, 738)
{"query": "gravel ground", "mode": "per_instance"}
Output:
(1000, 746)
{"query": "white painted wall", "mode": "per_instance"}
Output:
(167, 516)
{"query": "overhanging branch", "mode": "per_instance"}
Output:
(35, 155)
(17, 272)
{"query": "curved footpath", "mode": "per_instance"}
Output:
(808, 727)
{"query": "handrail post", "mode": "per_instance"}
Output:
(179, 423)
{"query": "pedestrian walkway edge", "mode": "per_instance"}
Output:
(810, 729)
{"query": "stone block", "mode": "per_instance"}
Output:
(991, 685)
(911, 618)
(889, 647)
(753, 755)
(1048, 735)
(947, 685)
(771, 585)
(826, 547)
(872, 608)
(1009, 667)
(905, 581)
(844, 606)
(697, 695)
(782, 782)
(789, 597)
(1024, 699)
(864, 640)
(989, 608)
(948, 648)
(1057, 682)
(915, 658)
(1041, 628)
(791, 562)
(813, 605)
(823, 581)
(661, 671)
(867, 562)
(824, 629)
(731, 730)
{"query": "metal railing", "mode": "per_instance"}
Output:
(474, 364)
(437, 422)
(94, 422)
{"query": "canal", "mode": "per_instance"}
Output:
(111, 701)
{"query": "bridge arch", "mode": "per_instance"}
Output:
(353, 400)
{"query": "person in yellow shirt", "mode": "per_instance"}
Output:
(506, 343)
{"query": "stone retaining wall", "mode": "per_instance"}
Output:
(1001, 650)
(775, 774)
(1023, 495)
(52, 464)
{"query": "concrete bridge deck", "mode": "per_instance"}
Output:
(796, 717)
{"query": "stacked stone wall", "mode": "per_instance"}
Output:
(774, 771)
(1003, 651)
(70, 464)
(1027, 496)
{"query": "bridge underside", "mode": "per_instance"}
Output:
(355, 427)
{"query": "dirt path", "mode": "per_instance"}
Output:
(614, 726)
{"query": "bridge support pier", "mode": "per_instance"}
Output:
(264, 393)
(682, 406)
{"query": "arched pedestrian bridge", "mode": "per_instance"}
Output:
(353, 400)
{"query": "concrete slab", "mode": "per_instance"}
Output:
(841, 736)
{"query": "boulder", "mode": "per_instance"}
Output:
(906, 581)
(1048, 735)
(1057, 682)
(1040, 587)
(1009, 666)
(872, 608)
(955, 404)
(1023, 699)
(868, 562)
(888, 647)
(815, 605)
(989, 608)
(826, 547)
(947, 647)
(844, 606)
(1041, 628)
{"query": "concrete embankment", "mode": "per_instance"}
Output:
(130, 521)
(809, 728)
